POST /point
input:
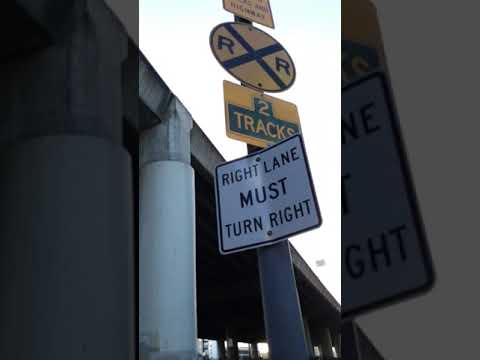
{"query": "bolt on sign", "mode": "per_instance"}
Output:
(252, 56)
(362, 45)
(265, 197)
(258, 11)
(384, 248)
(256, 118)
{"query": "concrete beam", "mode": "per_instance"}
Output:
(308, 274)
(153, 92)
(170, 139)
(73, 86)
(20, 34)
(55, 17)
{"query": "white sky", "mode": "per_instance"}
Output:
(174, 36)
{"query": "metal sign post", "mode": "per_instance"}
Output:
(281, 305)
(258, 61)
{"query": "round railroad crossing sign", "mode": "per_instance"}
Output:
(252, 57)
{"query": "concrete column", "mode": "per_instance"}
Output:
(67, 286)
(350, 348)
(336, 339)
(199, 346)
(308, 337)
(326, 344)
(167, 311)
(254, 354)
(66, 250)
(320, 352)
(232, 350)
(221, 351)
(217, 350)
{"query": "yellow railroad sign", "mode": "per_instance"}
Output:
(362, 45)
(256, 118)
(360, 24)
(252, 57)
(258, 11)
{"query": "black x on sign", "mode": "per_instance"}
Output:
(252, 56)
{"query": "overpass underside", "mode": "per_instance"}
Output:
(228, 288)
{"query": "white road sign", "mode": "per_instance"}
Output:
(265, 197)
(384, 249)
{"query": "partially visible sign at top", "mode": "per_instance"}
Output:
(258, 11)
(362, 45)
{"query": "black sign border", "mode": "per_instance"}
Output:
(253, 86)
(278, 239)
(412, 199)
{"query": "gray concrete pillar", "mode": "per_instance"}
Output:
(308, 337)
(254, 354)
(222, 353)
(66, 193)
(199, 346)
(217, 350)
(232, 350)
(320, 352)
(66, 250)
(167, 311)
(336, 339)
(350, 341)
(326, 343)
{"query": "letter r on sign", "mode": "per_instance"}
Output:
(282, 64)
(224, 41)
